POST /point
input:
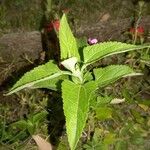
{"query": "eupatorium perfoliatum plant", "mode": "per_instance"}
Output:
(76, 82)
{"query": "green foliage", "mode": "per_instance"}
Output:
(17, 134)
(32, 123)
(3, 22)
(81, 43)
(78, 88)
(67, 41)
(48, 5)
(20, 14)
(110, 74)
(99, 51)
(103, 113)
(78, 103)
(98, 142)
(38, 76)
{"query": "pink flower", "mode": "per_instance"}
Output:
(92, 41)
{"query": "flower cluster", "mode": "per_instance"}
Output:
(139, 30)
(137, 34)
(53, 25)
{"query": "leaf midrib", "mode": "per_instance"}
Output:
(29, 84)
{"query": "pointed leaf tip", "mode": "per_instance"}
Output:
(67, 41)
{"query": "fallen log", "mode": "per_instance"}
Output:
(18, 50)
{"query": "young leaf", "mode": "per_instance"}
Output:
(110, 74)
(76, 105)
(70, 63)
(99, 51)
(36, 76)
(88, 76)
(67, 41)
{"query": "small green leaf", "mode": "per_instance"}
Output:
(99, 51)
(88, 76)
(63, 144)
(39, 116)
(70, 63)
(31, 127)
(110, 74)
(21, 124)
(36, 76)
(109, 139)
(103, 100)
(121, 145)
(137, 116)
(103, 113)
(67, 41)
(76, 105)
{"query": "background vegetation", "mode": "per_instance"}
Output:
(123, 126)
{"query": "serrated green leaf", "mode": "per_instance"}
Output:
(110, 74)
(52, 84)
(36, 76)
(76, 105)
(91, 87)
(67, 41)
(99, 51)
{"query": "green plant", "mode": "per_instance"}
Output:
(20, 14)
(23, 119)
(32, 123)
(74, 78)
(17, 134)
(3, 22)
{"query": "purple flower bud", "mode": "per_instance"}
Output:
(92, 41)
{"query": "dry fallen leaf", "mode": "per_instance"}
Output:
(42, 143)
(117, 101)
(105, 17)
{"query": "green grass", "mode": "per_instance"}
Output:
(21, 15)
